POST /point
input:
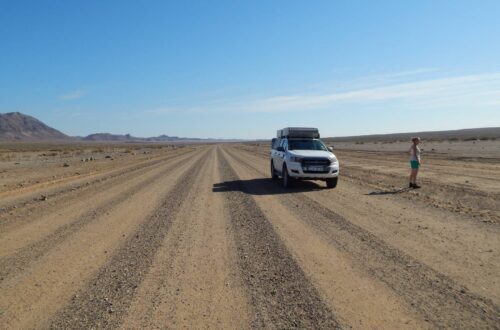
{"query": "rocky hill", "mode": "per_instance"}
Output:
(15, 126)
(129, 138)
(18, 126)
(485, 133)
(109, 137)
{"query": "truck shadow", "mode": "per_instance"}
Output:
(265, 186)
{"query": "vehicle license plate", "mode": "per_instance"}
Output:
(315, 168)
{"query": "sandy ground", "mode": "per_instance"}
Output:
(200, 237)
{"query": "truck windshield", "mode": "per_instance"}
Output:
(306, 145)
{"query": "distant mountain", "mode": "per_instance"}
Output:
(17, 126)
(129, 138)
(460, 134)
(109, 137)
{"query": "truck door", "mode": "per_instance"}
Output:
(278, 159)
(274, 153)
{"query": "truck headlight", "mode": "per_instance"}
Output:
(295, 159)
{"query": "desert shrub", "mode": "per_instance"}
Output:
(470, 139)
(359, 142)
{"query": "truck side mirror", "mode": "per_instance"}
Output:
(280, 149)
(330, 149)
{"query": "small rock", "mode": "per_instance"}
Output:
(43, 198)
(65, 165)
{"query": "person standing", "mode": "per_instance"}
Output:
(414, 162)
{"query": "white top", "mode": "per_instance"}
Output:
(414, 153)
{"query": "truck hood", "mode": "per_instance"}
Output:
(311, 153)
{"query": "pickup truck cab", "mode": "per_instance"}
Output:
(298, 154)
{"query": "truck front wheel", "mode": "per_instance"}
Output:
(332, 183)
(287, 181)
(274, 176)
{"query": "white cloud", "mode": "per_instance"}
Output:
(73, 95)
(479, 90)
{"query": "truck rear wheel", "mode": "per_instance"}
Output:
(274, 176)
(287, 181)
(332, 183)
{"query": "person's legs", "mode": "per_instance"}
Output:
(412, 176)
(415, 185)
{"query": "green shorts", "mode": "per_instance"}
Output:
(414, 164)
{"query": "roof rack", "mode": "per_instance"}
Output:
(298, 132)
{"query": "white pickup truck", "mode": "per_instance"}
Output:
(298, 153)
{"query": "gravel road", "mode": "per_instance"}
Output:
(201, 237)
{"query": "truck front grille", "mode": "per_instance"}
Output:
(319, 164)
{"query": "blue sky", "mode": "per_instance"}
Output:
(242, 69)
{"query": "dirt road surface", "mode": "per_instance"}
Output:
(201, 237)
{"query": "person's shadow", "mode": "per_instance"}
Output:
(388, 192)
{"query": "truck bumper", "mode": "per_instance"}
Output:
(296, 171)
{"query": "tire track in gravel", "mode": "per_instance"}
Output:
(16, 262)
(106, 298)
(280, 293)
(24, 220)
(32, 298)
(31, 202)
(360, 301)
(47, 182)
(194, 281)
(32, 223)
(450, 243)
(103, 167)
(439, 299)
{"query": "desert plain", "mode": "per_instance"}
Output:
(198, 236)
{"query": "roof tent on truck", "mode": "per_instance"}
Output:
(298, 132)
